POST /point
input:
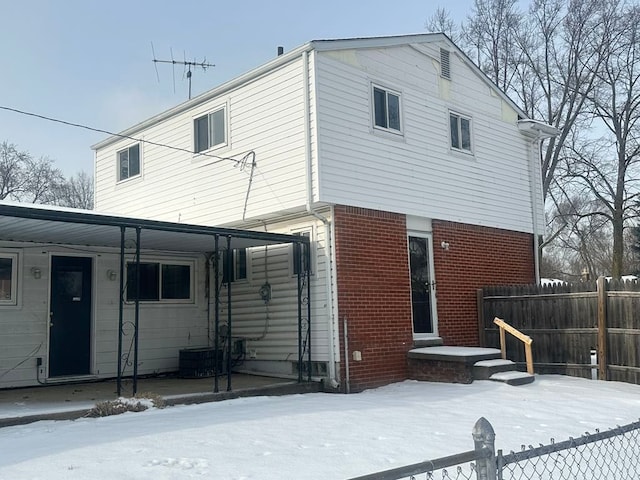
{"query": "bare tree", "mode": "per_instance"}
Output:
(441, 21)
(609, 167)
(26, 179)
(563, 43)
(76, 192)
(41, 180)
(490, 35)
(12, 171)
(582, 239)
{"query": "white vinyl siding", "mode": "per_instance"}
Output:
(271, 328)
(419, 174)
(265, 116)
(164, 328)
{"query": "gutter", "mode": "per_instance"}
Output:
(327, 224)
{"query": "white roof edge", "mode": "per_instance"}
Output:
(209, 94)
(375, 42)
(320, 46)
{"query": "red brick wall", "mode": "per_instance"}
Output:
(477, 256)
(373, 294)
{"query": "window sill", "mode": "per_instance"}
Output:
(462, 153)
(210, 152)
(388, 133)
(129, 180)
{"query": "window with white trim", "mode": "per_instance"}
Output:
(170, 282)
(210, 130)
(129, 162)
(386, 109)
(460, 127)
(239, 265)
(8, 278)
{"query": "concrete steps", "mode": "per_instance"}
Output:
(500, 370)
(463, 365)
(513, 378)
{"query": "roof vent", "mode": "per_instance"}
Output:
(445, 66)
(280, 50)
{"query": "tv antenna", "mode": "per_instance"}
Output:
(186, 65)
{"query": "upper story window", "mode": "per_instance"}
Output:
(239, 266)
(8, 278)
(460, 127)
(210, 130)
(161, 282)
(386, 109)
(129, 162)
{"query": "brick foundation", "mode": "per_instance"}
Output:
(439, 371)
(374, 294)
(476, 257)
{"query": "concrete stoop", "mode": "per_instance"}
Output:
(463, 365)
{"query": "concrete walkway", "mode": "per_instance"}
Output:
(63, 402)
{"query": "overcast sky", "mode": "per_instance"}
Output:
(90, 61)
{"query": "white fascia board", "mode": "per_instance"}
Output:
(376, 42)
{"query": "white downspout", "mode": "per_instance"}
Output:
(328, 238)
(538, 131)
(533, 158)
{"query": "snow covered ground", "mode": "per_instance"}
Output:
(313, 436)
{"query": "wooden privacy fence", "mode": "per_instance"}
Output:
(577, 329)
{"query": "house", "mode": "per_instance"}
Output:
(413, 178)
(86, 296)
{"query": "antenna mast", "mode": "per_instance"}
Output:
(203, 64)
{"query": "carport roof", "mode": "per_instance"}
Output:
(57, 225)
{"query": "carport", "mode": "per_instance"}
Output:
(62, 226)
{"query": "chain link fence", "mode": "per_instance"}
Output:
(610, 455)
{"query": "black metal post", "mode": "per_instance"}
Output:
(229, 339)
(299, 270)
(216, 337)
(137, 315)
(308, 273)
(121, 310)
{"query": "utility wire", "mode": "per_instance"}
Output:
(242, 161)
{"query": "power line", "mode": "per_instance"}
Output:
(99, 130)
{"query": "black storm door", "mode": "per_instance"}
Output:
(70, 316)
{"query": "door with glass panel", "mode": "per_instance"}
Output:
(70, 316)
(422, 286)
